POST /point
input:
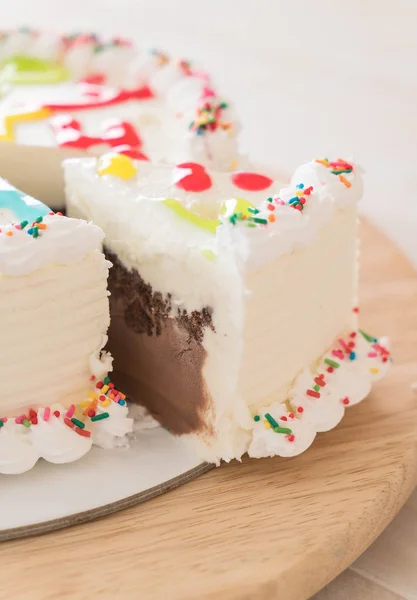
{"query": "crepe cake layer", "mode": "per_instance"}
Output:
(75, 95)
(232, 297)
(54, 313)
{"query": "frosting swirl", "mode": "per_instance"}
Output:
(64, 241)
(21, 447)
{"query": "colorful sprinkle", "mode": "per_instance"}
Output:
(100, 417)
(271, 420)
(82, 432)
(367, 337)
(332, 363)
(209, 118)
(70, 411)
(282, 430)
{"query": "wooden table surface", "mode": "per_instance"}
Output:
(274, 528)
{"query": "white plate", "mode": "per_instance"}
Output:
(54, 496)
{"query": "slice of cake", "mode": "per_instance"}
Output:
(78, 95)
(57, 398)
(232, 298)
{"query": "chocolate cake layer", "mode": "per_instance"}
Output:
(158, 352)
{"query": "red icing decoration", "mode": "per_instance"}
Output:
(251, 182)
(100, 97)
(94, 78)
(196, 181)
(121, 136)
(207, 92)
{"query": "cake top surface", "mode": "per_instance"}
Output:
(82, 93)
(32, 236)
(189, 206)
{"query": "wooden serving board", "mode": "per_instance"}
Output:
(273, 528)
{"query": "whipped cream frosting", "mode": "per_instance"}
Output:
(53, 440)
(211, 199)
(348, 382)
(65, 241)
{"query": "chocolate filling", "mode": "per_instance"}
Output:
(158, 352)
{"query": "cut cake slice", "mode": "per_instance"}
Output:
(232, 298)
(57, 398)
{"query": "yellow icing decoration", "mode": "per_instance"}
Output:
(236, 205)
(13, 119)
(208, 224)
(118, 165)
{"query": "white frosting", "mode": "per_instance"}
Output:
(351, 382)
(329, 185)
(142, 420)
(155, 183)
(291, 230)
(53, 323)
(322, 413)
(266, 442)
(64, 242)
(55, 442)
(217, 150)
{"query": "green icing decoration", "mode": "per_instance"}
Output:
(236, 205)
(209, 254)
(23, 70)
(229, 209)
(207, 224)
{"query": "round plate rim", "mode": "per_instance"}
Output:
(92, 514)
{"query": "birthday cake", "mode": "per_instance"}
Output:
(233, 298)
(57, 397)
(233, 295)
(78, 94)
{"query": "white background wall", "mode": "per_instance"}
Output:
(309, 77)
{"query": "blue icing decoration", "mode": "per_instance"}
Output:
(23, 207)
